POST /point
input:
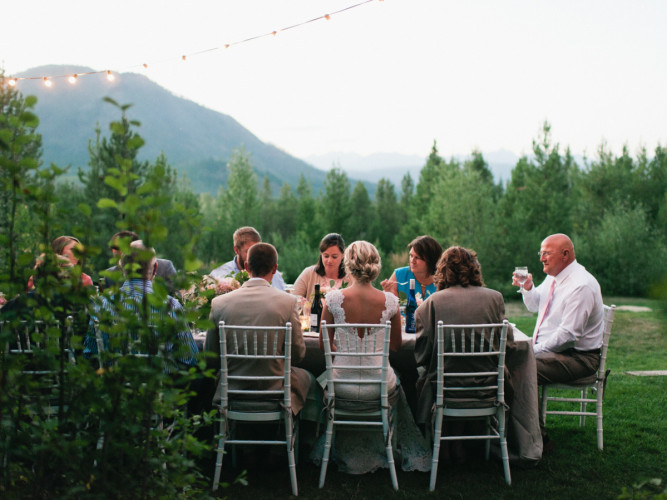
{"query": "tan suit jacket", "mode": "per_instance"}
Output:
(257, 303)
(455, 305)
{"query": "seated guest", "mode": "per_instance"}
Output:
(362, 303)
(67, 246)
(51, 296)
(568, 332)
(256, 303)
(165, 268)
(461, 299)
(360, 452)
(139, 268)
(244, 238)
(329, 268)
(424, 254)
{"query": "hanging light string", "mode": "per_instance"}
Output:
(73, 78)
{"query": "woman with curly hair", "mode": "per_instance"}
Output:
(461, 299)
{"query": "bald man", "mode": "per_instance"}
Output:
(568, 332)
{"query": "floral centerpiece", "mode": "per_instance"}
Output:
(200, 294)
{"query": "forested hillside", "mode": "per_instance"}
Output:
(197, 141)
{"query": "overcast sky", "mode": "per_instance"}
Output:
(387, 76)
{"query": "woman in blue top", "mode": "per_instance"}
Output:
(424, 255)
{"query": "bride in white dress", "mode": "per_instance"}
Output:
(362, 452)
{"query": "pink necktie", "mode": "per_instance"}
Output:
(545, 310)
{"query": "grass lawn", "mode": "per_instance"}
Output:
(635, 438)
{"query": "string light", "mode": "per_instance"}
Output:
(73, 78)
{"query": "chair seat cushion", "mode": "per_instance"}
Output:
(363, 405)
(463, 403)
(257, 405)
(583, 382)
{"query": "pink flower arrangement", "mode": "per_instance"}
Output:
(226, 285)
(201, 293)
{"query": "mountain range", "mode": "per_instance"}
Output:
(197, 141)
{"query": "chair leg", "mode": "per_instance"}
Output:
(437, 433)
(289, 428)
(582, 418)
(220, 452)
(487, 442)
(327, 446)
(503, 446)
(543, 406)
(598, 404)
(297, 426)
(390, 452)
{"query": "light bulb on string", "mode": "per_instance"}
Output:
(48, 80)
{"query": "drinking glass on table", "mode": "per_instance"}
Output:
(521, 276)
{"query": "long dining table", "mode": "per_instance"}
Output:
(523, 429)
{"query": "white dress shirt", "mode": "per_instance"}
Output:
(232, 267)
(575, 316)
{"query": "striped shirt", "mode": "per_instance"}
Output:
(130, 297)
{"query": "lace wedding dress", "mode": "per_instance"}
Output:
(360, 452)
(349, 338)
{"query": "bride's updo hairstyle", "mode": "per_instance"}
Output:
(362, 261)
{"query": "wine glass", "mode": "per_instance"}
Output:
(521, 276)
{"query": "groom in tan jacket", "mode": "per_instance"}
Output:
(257, 303)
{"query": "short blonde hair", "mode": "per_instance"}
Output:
(362, 261)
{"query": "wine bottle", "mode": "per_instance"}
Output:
(410, 324)
(316, 311)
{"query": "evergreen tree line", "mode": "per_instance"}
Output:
(613, 207)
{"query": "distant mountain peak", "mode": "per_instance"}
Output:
(196, 140)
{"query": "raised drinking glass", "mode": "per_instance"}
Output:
(521, 276)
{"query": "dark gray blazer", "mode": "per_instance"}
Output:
(456, 305)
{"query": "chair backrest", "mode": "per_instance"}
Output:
(256, 349)
(131, 345)
(41, 355)
(606, 333)
(33, 339)
(471, 361)
(362, 350)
